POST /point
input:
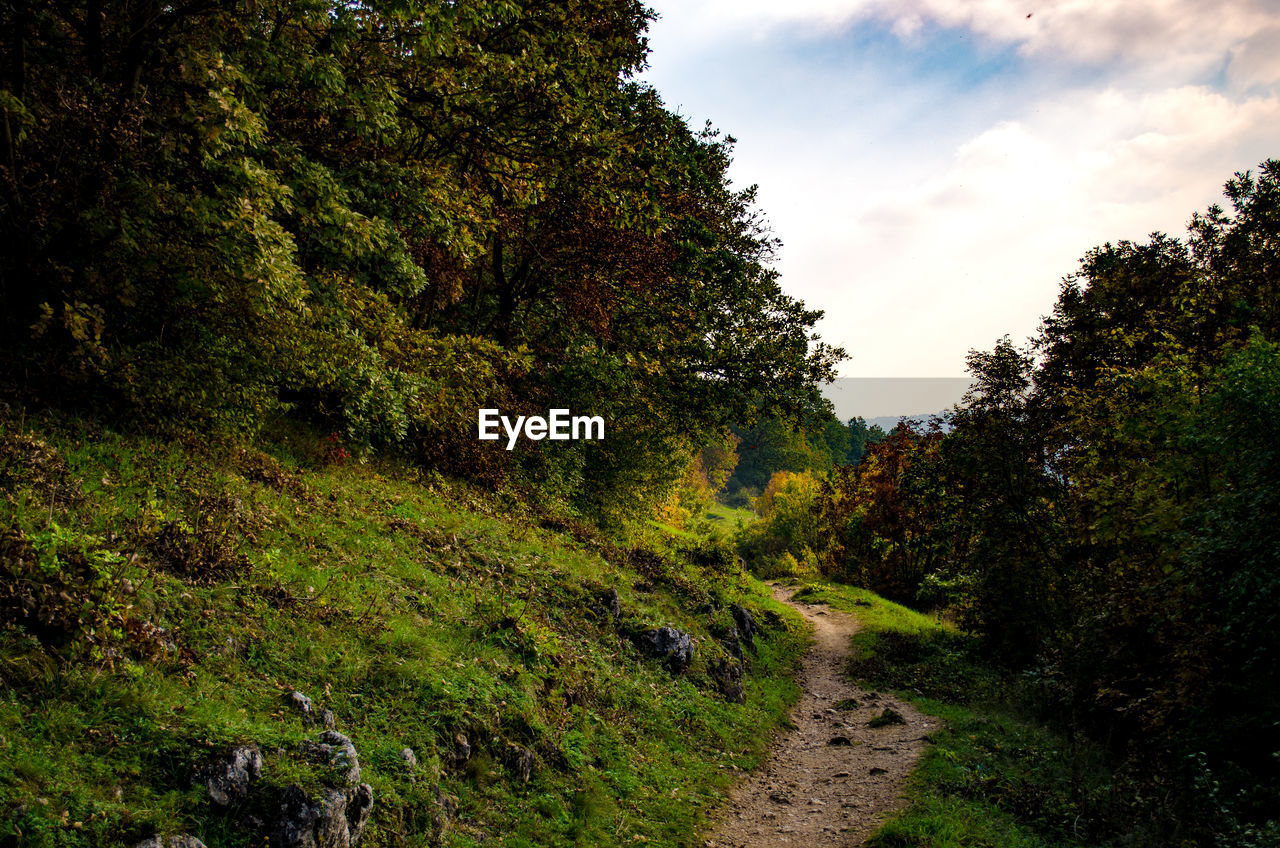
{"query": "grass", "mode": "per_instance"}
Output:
(413, 607)
(718, 522)
(730, 517)
(994, 776)
(675, 532)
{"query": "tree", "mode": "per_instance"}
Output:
(882, 526)
(381, 217)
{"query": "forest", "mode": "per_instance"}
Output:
(1100, 512)
(262, 262)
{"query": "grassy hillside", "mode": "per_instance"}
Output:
(729, 518)
(163, 598)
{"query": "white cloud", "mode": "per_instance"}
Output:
(930, 220)
(1256, 60)
(978, 249)
(1184, 36)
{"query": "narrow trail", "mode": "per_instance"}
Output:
(812, 792)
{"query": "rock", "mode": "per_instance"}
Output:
(839, 740)
(461, 749)
(336, 819)
(674, 647)
(746, 625)
(301, 703)
(307, 710)
(520, 760)
(410, 761)
(877, 770)
(336, 751)
(889, 716)
(732, 643)
(612, 604)
(727, 675)
(228, 779)
(180, 841)
(847, 704)
(447, 804)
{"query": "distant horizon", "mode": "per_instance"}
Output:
(893, 397)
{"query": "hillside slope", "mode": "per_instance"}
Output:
(164, 600)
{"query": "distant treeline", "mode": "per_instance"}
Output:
(1105, 514)
(777, 444)
(379, 218)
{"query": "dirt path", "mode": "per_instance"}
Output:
(812, 792)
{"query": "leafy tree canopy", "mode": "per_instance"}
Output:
(382, 215)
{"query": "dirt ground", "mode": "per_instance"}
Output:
(833, 779)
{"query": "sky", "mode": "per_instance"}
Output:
(934, 168)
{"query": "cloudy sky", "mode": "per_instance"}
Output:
(935, 167)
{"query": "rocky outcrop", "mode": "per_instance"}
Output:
(727, 676)
(334, 750)
(310, 715)
(301, 703)
(228, 779)
(335, 819)
(731, 640)
(520, 760)
(410, 760)
(746, 626)
(337, 816)
(674, 647)
(461, 751)
(180, 841)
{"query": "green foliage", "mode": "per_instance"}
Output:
(383, 218)
(782, 540)
(861, 437)
(876, 524)
(59, 584)
(818, 444)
